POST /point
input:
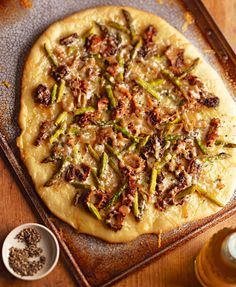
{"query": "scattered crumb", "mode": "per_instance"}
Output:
(26, 4)
(6, 84)
(189, 19)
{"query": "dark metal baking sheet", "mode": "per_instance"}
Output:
(92, 261)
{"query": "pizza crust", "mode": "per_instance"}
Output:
(58, 198)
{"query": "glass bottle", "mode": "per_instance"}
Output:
(215, 265)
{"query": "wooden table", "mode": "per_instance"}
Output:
(174, 269)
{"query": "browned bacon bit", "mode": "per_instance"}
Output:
(102, 104)
(194, 168)
(115, 220)
(70, 173)
(110, 46)
(210, 102)
(60, 72)
(149, 34)
(175, 56)
(68, 40)
(78, 86)
(133, 163)
(113, 69)
(195, 81)
(73, 173)
(213, 132)
(85, 170)
(182, 176)
(44, 132)
(104, 135)
(42, 95)
(119, 111)
(160, 203)
(93, 44)
(154, 117)
(84, 119)
(97, 197)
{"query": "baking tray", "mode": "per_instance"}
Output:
(92, 261)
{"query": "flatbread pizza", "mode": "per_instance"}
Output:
(125, 129)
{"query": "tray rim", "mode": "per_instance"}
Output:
(227, 59)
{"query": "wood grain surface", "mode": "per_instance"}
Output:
(173, 270)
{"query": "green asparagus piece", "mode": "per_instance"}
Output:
(132, 147)
(183, 193)
(201, 146)
(93, 209)
(189, 69)
(61, 130)
(225, 144)
(61, 90)
(143, 142)
(54, 94)
(96, 178)
(61, 118)
(111, 96)
(156, 170)
(148, 87)
(125, 133)
(153, 181)
(135, 205)
(129, 22)
(121, 66)
(173, 138)
(203, 192)
(136, 48)
(104, 163)
(109, 78)
(112, 150)
(103, 28)
(170, 76)
(116, 196)
(88, 33)
(78, 184)
(219, 156)
(93, 153)
(84, 110)
(114, 166)
(58, 174)
(157, 82)
(118, 26)
(50, 55)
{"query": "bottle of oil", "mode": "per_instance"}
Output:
(215, 265)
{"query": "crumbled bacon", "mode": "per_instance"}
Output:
(195, 81)
(84, 119)
(149, 33)
(78, 86)
(194, 168)
(175, 56)
(104, 135)
(102, 104)
(93, 44)
(68, 40)
(154, 117)
(113, 69)
(211, 101)
(213, 132)
(73, 173)
(97, 197)
(119, 110)
(115, 220)
(60, 72)
(44, 132)
(42, 95)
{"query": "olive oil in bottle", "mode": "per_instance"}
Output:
(215, 265)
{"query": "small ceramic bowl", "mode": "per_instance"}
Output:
(48, 243)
